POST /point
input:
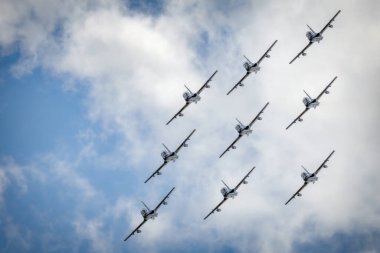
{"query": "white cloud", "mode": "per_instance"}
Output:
(11, 174)
(135, 66)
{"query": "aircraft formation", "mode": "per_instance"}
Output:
(190, 97)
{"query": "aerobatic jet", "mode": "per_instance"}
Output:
(227, 193)
(148, 214)
(191, 97)
(311, 102)
(169, 155)
(309, 177)
(244, 130)
(313, 36)
(251, 67)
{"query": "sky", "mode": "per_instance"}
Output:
(86, 88)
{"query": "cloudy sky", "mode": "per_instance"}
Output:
(86, 88)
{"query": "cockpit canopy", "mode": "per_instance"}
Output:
(306, 101)
(247, 66)
(186, 95)
(224, 191)
(144, 213)
(238, 128)
(164, 154)
(304, 175)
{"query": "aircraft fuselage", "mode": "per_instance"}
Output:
(310, 178)
(314, 37)
(151, 215)
(246, 131)
(231, 194)
(172, 157)
(310, 103)
(193, 99)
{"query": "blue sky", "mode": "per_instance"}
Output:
(85, 92)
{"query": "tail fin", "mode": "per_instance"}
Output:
(145, 206)
(307, 94)
(166, 148)
(239, 122)
(226, 185)
(311, 29)
(247, 59)
(188, 89)
(305, 170)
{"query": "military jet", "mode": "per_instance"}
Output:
(252, 67)
(310, 102)
(244, 130)
(169, 155)
(148, 214)
(309, 177)
(313, 36)
(227, 193)
(191, 97)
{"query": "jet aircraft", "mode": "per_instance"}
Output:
(191, 97)
(311, 102)
(251, 67)
(309, 177)
(244, 130)
(148, 214)
(227, 193)
(169, 155)
(313, 36)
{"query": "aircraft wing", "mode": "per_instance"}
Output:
(266, 53)
(178, 113)
(303, 51)
(184, 142)
(156, 171)
(163, 200)
(324, 162)
(213, 210)
(206, 83)
(258, 115)
(329, 23)
(299, 116)
(295, 194)
(237, 138)
(246, 176)
(134, 231)
(238, 83)
(325, 89)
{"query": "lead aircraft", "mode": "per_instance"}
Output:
(191, 97)
(227, 193)
(148, 214)
(168, 156)
(252, 67)
(244, 130)
(311, 102)
(313, 36)
(309, 177)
